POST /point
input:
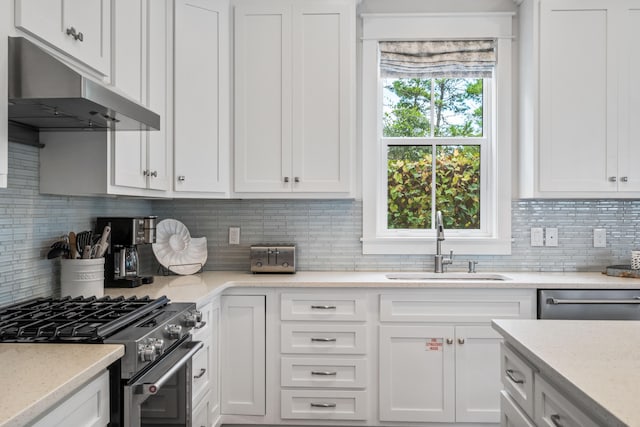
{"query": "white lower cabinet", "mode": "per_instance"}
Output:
(204, 368)
(512, 415)
(552, 408)
(444, 366)
(87, 407)
(243, 359)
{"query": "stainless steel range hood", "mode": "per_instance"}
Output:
(47, 95)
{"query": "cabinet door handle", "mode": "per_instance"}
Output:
(624, 179)
(460, 340)
(613, 178)
(202, 372)
(323, 339)
(324, 373)
(76, 35)
(449, 340)
(510, 374)
(323, 405)
(324, 307)
(181, 178)
(555, 419)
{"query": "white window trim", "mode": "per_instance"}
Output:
(495, 237)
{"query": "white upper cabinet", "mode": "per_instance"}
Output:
(141, 66)
(201, 85)
(79, 28)
(133, 163)
(294, 98)
(577, 112)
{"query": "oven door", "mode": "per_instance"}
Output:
(162, 395)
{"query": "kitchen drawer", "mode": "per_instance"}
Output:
(457, 305)
(323, 405)
(202, 331)
(200, 416)
(322, 339)
(511, 414)
(517, 378)
(302, 306)
(201, 372)
(323, 372)
(553, 409)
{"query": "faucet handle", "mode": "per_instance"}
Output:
(448, 260)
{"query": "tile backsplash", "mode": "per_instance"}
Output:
(327, 232)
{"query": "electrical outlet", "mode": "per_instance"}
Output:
(599, 238)
(551, 237)
(537, 237)
(234, 235)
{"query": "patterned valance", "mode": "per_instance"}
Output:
(437, 58)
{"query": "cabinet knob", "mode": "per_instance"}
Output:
(154, 174)
(296, 179)
(460, 340)
(286, 179)
(449, 340)
(624, 179)
(613, 178)
(145, 172)
(181, 178)
(77, 35)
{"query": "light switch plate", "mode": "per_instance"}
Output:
(599, 237)
(234, 235)
(551, 237)
(537, 237)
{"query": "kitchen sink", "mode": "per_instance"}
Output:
(426, 276)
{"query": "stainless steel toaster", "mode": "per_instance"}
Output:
(273, 258)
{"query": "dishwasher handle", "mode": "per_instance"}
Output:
(559, 301)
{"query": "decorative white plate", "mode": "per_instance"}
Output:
(176, 250)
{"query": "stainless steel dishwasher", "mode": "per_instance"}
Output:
(589, 304)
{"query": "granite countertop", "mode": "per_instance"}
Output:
(34, 377)
(594, 362)
(199, 287)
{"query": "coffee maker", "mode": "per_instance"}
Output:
(121, 269)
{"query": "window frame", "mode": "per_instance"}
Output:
(494, 235)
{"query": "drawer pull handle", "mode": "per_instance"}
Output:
(510, 373)
(555, 419)
(323, 405)
(324, 373)
(323, 339)
(202, 372)
(324, 307)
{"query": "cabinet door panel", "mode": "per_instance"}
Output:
(321, 109)
(130, 147)
(201, 97)
(478, 381)
(49, 20)
(629, 151)
(577, 98)
(263, 97)
(243, 363)
(416, 373)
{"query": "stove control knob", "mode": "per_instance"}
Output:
(193, 318)
(147, 352)
(173, 330)
(158, 345)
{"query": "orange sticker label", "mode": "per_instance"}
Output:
(433, 344)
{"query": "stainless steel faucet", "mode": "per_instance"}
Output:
(440, 260)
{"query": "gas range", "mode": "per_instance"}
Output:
(151, 384)
(147, 328)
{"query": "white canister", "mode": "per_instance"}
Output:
(635, 260)
(82, 277)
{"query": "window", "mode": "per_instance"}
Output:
(436, 132)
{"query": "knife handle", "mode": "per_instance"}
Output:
(72, 245)
(103, 245)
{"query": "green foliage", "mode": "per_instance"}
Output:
(409, 202)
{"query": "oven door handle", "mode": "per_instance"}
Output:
(558, 301)
(150, 388)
